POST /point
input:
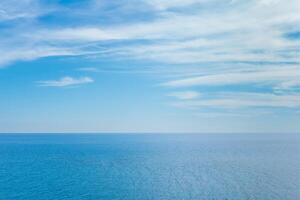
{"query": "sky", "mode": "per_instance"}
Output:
(203, 66)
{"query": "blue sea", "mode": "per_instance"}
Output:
(149, 166)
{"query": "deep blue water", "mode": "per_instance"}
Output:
(128, 166)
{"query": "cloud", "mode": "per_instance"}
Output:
(88, 69)
(31, 53)
(83, 34)
(288, 85)
(14, 9)
(66, 81)
(185, 95)
(275, 76)
(244, 100)
(168, 4)
(200, 42)
(237, 32)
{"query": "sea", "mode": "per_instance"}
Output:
(149, 166)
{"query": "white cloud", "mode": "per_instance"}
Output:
(88, 69)
(31, 53)
(82, 34)
(288, 85)
(204, 41)
(275, 76)
(185, 95)
(15, 9)
(268, 2)
(66, 81)
(231, 34)
(239, 32)
(244, 100)
(167, 4)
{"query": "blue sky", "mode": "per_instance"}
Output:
(149, 66)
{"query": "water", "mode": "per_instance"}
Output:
(93, 167)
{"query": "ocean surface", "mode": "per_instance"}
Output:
(149, 166)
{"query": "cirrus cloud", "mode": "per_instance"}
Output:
(66, 81)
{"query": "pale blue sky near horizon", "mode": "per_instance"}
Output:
(202, 66)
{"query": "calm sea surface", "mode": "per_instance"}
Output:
(149, 166)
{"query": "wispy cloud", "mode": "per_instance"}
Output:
(283, 77)
(65, 81)
(204, 42)
(185, 95)
(31, 53)
(244, 100)
(14, 9)
(168, 4)
(239, 31)
(88, 69)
